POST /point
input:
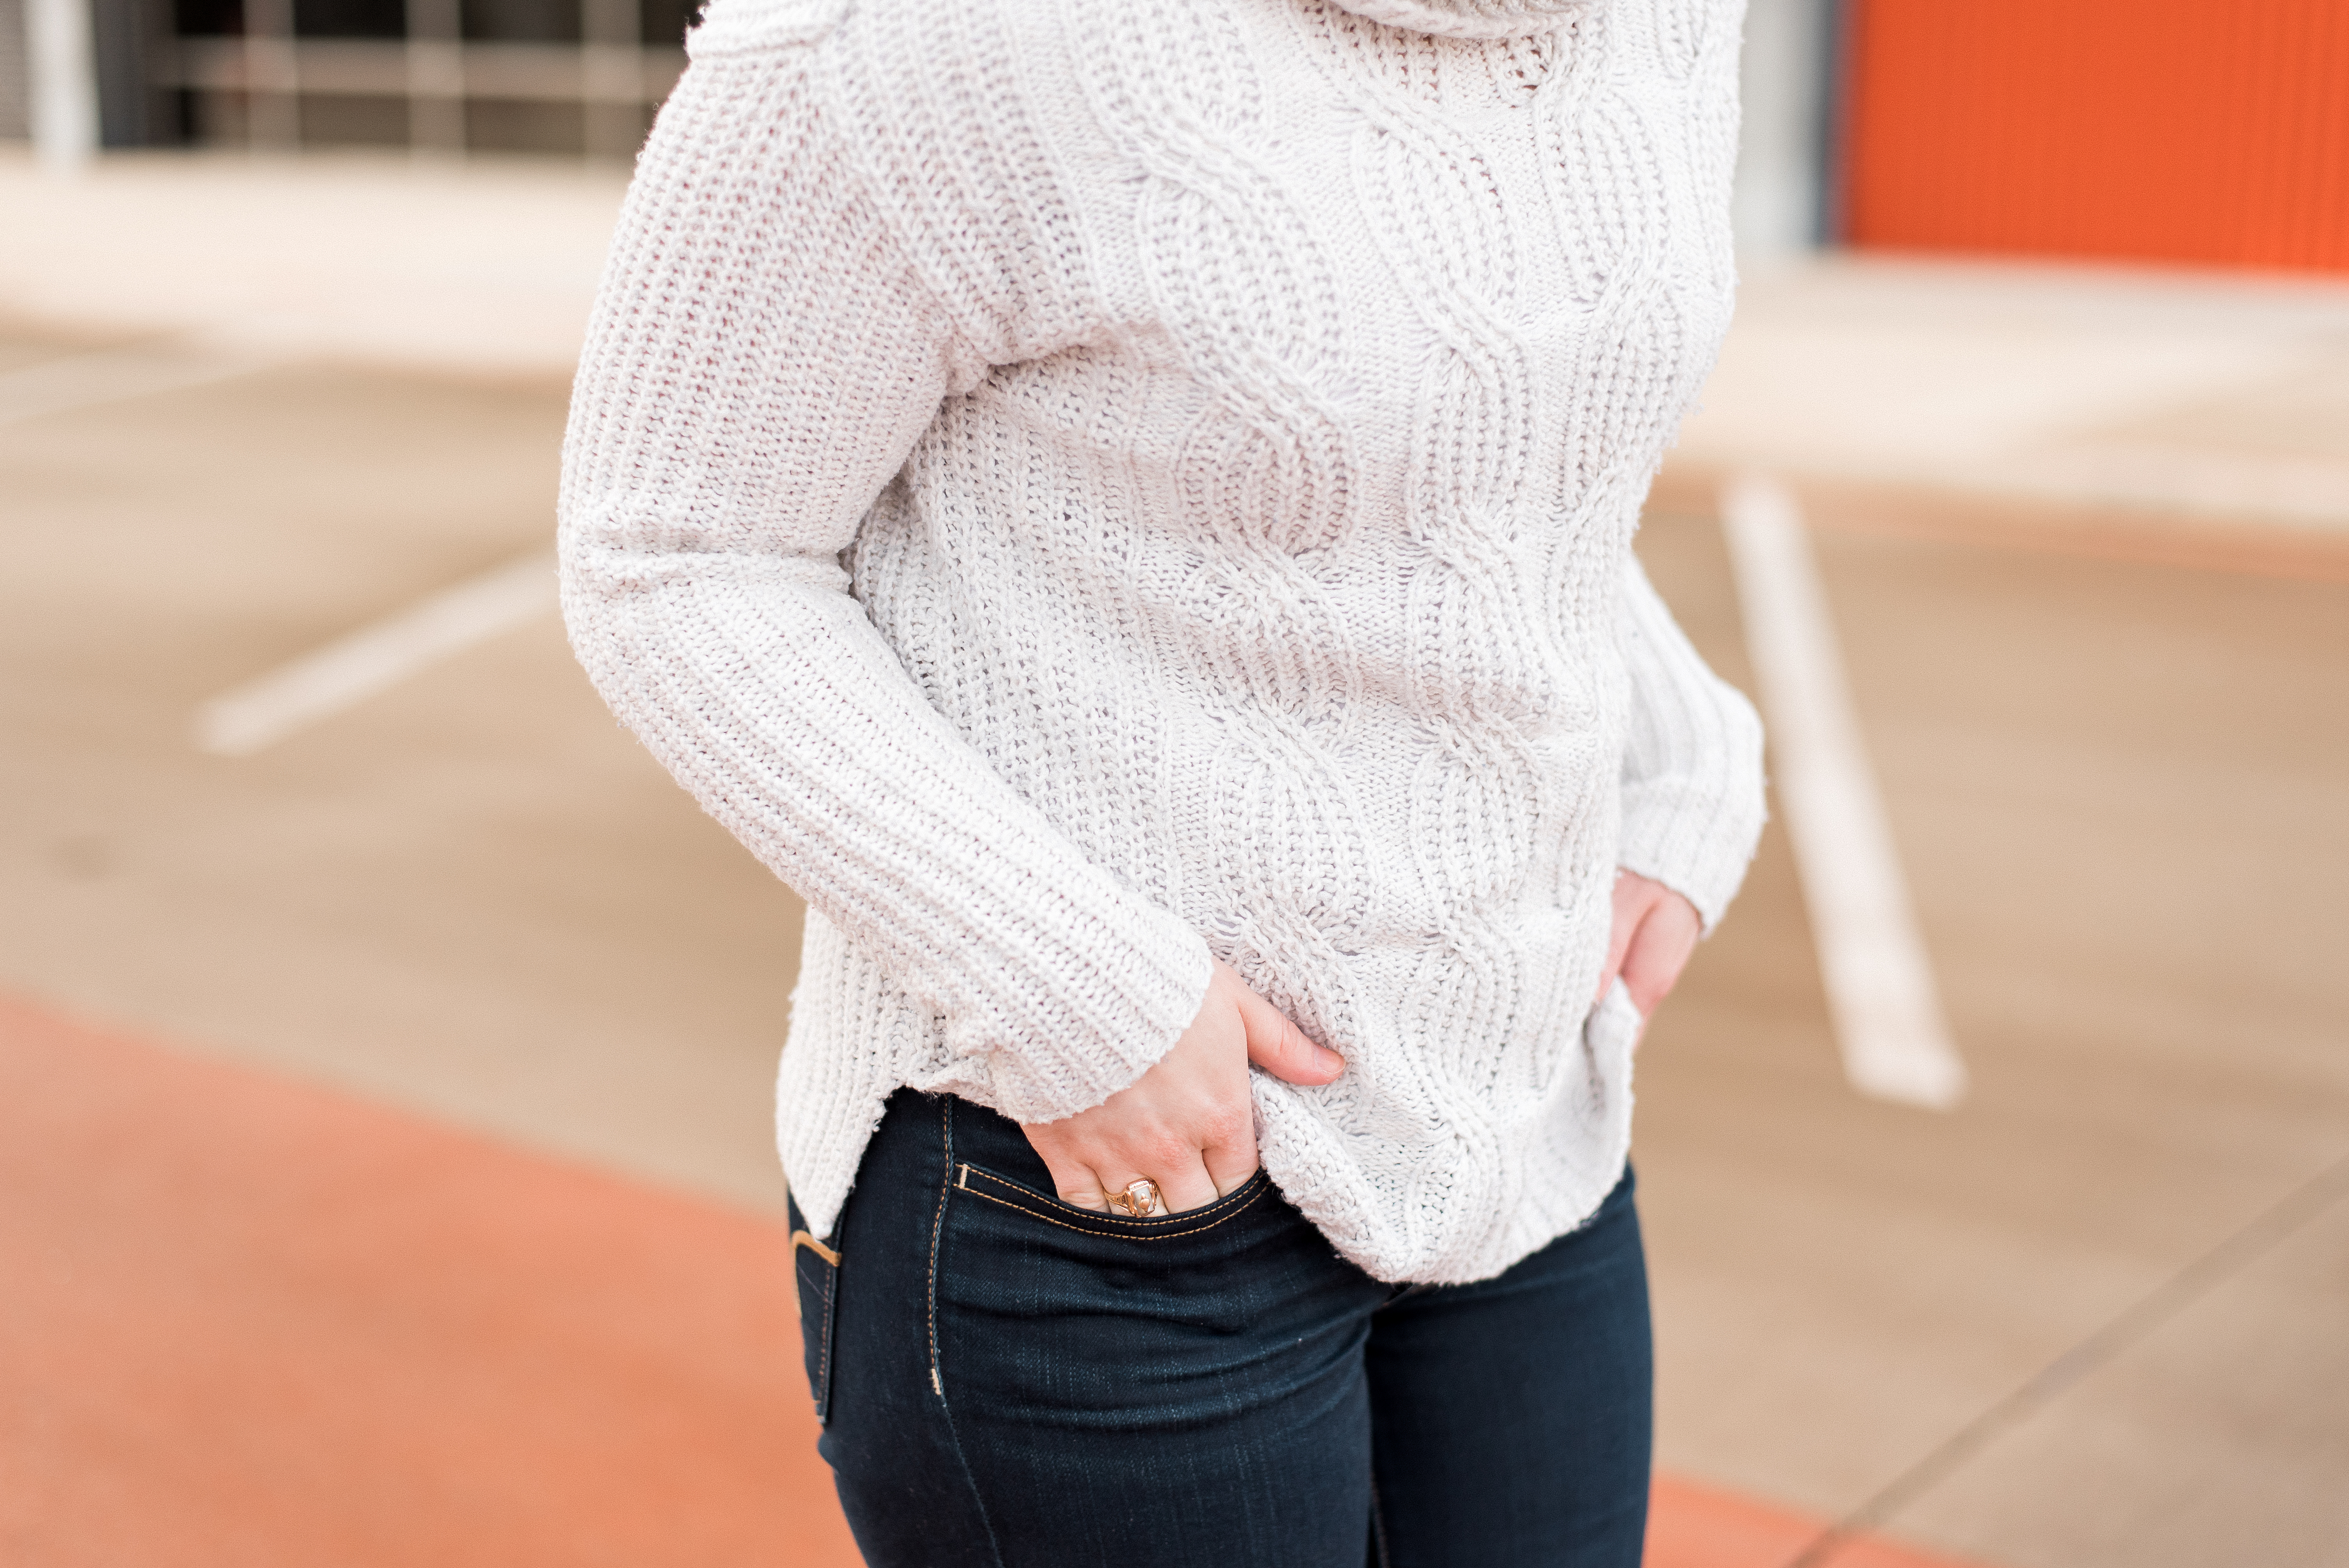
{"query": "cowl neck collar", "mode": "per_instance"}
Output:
(1471, 18)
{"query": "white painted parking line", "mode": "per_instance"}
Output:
(1887, 1016)
(114, 376)
(374, 658)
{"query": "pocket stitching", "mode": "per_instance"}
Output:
(937, 1232)
(966, 1168)
(823, 1360)
(1109, 1228)
(825, 1286)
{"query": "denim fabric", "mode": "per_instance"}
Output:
(1010, 1382)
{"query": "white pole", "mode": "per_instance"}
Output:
(436, 79)
(273, 77)
(64, 83)
(1880, 993)
(612, 77)
(1785, 83)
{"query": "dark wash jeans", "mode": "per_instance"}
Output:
(1007, 1381)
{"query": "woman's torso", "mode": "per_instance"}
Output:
(1280, 565)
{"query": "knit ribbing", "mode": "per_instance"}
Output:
(1077, 486)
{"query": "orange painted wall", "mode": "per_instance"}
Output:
(2202, 132)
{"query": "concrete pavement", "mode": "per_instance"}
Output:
(482, 268)
(437, 854)
(2117, 789)
(2224, 398)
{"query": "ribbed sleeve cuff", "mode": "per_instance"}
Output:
(1697, 844)
(1141, 994)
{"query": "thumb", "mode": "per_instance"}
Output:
(1281, 1048)
(1627, 908)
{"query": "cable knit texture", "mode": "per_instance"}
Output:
(1080, 486)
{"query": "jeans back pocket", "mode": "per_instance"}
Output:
(981, 1182)
(816, 1269)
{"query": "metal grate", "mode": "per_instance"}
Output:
(441, 78)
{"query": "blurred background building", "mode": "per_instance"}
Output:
(567, 77)
(2104, 128)
(2091, 130)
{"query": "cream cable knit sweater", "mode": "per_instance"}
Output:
(1077, 486)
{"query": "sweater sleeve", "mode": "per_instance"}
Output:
(761, 360)
(1692, 790)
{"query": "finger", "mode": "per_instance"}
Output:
(1629, 904)
(1230, 1158)
(1659, 951)
(1282, 1049)
(1182, 1180)
(1074, 1182)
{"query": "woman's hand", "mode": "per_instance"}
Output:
(1189, 1123)
(1655, 933)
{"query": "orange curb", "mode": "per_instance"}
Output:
(1692, 1526)
(256, 1322)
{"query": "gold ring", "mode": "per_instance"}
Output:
(1140, 1201)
